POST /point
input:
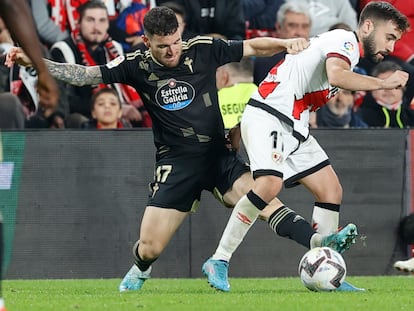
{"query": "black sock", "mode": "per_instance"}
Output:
(287, 223)
(143, 265)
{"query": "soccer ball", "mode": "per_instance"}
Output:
(322, 269)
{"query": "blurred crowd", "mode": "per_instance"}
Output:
(96, 32)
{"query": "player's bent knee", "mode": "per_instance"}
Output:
(150, 250)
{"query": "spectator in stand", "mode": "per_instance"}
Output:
(326, 13)
(235, 84)
(91, 45)
(260, 17)
(386, 108)
(127, 28)
(293, 21)
(214, 17)
(11, 112)
(338, 112)
(106, 110)
(51, 28)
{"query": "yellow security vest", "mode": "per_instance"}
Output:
(232, 101)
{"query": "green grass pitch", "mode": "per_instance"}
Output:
(383, 293)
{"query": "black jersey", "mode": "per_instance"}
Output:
(182, 101)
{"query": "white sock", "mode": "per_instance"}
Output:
(241, 219)
(325, 221)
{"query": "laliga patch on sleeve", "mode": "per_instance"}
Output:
(348, 48)
(6, 175)
(115, 62)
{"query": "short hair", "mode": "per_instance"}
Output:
(243, 68)
(92, 4)
(104, 91)
(384, 11)
(295, 7)
(160, 21)
(385, 66)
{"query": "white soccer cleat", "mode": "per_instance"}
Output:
(405, 265)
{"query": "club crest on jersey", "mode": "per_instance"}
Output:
(115, 62)
(277, 157)
(175, 95)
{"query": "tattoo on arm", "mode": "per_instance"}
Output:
(75, 74)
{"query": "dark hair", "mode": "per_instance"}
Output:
(385, 66)
(384, 11)
(177, 8)
(160, 21)
(92, 4)
(104, 91)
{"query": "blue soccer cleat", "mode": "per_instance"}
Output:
(341, 240)
(216, 272)
(347, 287)
(134, 279)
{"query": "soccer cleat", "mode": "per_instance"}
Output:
(347, 287)
(405, 265)
(341, 240)
(216, 272)
(134, 279)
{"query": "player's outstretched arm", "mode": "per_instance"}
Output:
(269, 46)
(74, 74)
(340, 75)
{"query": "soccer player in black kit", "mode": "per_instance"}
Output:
(176, 81)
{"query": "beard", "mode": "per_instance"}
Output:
(368, 45)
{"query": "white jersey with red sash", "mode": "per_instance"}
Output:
(299, 84)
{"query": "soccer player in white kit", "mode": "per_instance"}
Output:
(275, 132)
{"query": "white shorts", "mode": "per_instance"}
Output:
(273, 150)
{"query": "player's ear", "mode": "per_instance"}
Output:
(368, 26)
(226, 75)
(146, 41)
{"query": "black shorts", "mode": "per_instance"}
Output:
(179, 180)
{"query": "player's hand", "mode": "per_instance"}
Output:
(294, 46)
(233, 138)
(48, 90)
(16, 55)
(397, 80)
(46, 84)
